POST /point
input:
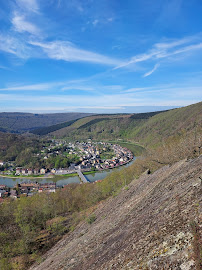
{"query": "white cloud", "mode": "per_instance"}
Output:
(3, 67)
(181, 50)
(174, 43)
(136, 59)
(78, 87)
(105, 101)
(151, 71)
(14, 46)
(29, 5)
(95, 22)
(165, 50)
(65, 85)
(34, 87)
(21, 25)
(63, 50)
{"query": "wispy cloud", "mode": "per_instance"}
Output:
(151, 71)
(181, 50)
(3, 67)
(29, 5)
(33, 87)
(15, 46)
(175, 43)
(165, 50)
(62, 86)
(95, 22)
(64, 50)
(176, 90)
(90, 102)
(21, 25)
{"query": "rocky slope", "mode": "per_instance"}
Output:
(151, 224)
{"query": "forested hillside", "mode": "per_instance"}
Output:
(176, 122)
(62, 129)
(23, 122)
(98, 126)
(149, 129)
(18, 148)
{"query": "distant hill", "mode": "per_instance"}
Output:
(97, 126)
(64, 128)
(175, 122)
(23, 122)
(145, 128)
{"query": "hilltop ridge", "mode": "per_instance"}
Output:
(17, 122)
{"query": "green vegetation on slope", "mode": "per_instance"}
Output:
(46, 130)
(18, 148)
(103, 127)
(175, 122)
(97, 123)
(30, 226)
(149, 130)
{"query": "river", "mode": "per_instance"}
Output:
(11, 182)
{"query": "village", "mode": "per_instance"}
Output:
(25, 189)
(88, 156)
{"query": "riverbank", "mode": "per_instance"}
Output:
(56, 177)
(62, 180)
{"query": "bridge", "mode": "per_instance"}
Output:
(82, 177)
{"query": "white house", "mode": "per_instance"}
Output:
(2, 163)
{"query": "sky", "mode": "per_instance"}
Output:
(114, 56)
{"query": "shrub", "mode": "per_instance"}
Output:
(91, 219)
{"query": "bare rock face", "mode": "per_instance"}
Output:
(154, 224)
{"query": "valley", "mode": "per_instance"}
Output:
(148, 204)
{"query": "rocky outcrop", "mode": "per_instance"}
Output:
(151, 224)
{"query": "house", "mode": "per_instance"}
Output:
(30, 171)
(18, 170)
(2, 192)
(42, 171)
(1, 163)
(36, 171)
(53, 171)
(30, 194)
(52, 190)
(48, 185)
(24, 190)
(24, 171)
(13, 194)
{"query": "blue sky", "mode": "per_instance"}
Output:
(99, 56)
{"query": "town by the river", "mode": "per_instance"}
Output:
(84, 162)
(93, 177)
